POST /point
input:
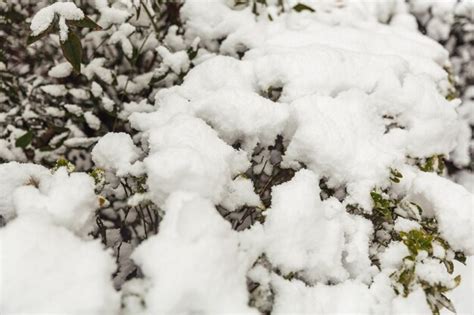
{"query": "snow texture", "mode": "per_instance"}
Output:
(193, 268)
(115, 152)
(46, 269)
(45, 17)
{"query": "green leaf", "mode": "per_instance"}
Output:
(407, 276)
(302, 7)
(457, 280)
(459, 256)
(85, 22)
(417, 240)
(72, 51)
(24, 140)
(31, 39)
(449, 266)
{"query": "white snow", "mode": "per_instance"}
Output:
(92, 120)
(60, 70)
(46, 269)
(73, 109)
(178, 62)
(69, 199)
(15, 175)
(115, 152)
(96, 67)
(351, 98)
(294, 297)
(241, 193)
(180, 159)
(122, 36)
(44, 17)
(414, 303)
(302, 235)
(451, 204)
(193, 268)
(54, 89)
(79, 94)
(405, 225)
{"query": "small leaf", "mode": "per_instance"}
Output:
(85, 22)
(444, 301)
(459, 256)
(72, 51)
(24, 140)
(457, 281)
(302, 7)
(33, 38)
(449, 266)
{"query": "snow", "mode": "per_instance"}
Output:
(179, 159)
(300, 235)
(336, 123)
(44, 17)
(115, 152)
(294, 297)
(121, 36)
(414, 303)
(241, 193)
(110, 15)
(351, 99)
(392, 257)
(193, 268)
(79, 94)
(54, 89)
(69, 199)
(442, 198)
(60, 70)
(96, 68)
(349, 145)
(15, 175)
(74, 109)
(96, 89)
(434, 272)
(46, 269)
(133, 107)
(108, 103)
(399, 80)
(92, 120)
(405, 225)
(461, 296)
(466, 179)
(178, 62)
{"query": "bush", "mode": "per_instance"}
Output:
(230, 156)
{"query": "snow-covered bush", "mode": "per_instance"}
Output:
(60, 108)
(245, 156)
(452, 23)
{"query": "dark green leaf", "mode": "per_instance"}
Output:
(449, 266)
(72, 51)
(31, 39)
(459, 256)
(302, 7)
(24, 140)
(85, 22)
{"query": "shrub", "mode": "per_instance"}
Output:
(243, 156)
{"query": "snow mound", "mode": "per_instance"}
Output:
(193, 263)
(115, 152)
(47, 269)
